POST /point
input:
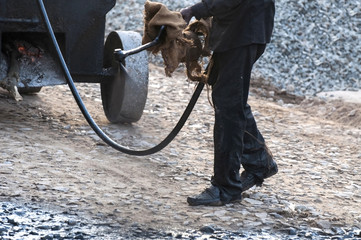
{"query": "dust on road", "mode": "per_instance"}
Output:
(50, 155)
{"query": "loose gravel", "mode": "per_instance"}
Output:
(33, 221)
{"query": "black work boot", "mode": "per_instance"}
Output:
(249, 180)
(209, 197)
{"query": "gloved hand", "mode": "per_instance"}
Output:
(187, 14)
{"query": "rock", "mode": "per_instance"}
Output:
(261, 215)
(252, 201)
(47, 237)
(338, 230)
(292, 231)
(251, 224)
(79, 236)
(220, 213)
(324, 224)
(55, 227)
(44, 227)
(3, 230)
(61, 189)
(207, 229)
(352, 113)
(276, 215)
(179, 236)
(13, 221)
(71, 222)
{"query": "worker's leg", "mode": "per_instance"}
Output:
(230, 94)
(230, 79)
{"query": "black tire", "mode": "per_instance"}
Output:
(125, 95)
(29, 90)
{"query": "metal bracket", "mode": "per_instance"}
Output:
(20, 20)
(120, 54)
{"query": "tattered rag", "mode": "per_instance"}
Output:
(182, 43)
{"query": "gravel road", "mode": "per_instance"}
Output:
(52, 165)
(50, 156)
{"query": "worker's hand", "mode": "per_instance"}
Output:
(187, 14)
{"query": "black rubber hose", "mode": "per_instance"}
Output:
(90, 120)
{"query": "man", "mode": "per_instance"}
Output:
(240, 31)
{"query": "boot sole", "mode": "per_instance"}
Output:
(204, 203)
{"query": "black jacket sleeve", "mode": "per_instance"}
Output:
(208, 8)
(237, 22)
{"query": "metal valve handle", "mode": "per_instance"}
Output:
(120, 54)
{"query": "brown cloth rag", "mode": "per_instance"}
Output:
(182, 43)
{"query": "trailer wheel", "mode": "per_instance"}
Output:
(125, 95)
(29, 90)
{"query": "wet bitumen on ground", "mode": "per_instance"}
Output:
(33, 221)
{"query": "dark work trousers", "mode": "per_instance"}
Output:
(236, 137)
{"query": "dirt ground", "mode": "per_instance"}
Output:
(50, 155)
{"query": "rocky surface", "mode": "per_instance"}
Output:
(54, 170)
(314, 47)
(50, 156)
(33, 221)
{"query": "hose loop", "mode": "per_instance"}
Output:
(91, 121)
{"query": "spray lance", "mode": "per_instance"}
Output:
(120, 55)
